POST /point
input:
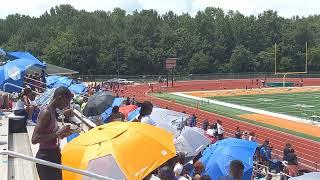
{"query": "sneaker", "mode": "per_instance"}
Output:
(30, 123)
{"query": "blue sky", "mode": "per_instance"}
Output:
(286, 8)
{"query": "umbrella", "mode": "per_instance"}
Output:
(170, 120)
(12, 73)
(119, 150)
(63, 81)
(191, 141)
(116, 102)
(51, 80)
(97, 103)
(127, 109)
(134, 114)
(78, 88)
(28, 63)
(217, 157)
(27, 58)
(307, 176)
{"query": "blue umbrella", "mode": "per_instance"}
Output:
(217, 157)
(12, 74)
(51, 80)
(28, 63)
(26, 56)
(78, 88)
(63, 81)
(134, 114)
(116, 102)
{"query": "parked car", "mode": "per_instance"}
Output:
(120, 81)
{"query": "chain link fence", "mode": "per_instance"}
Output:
(216, 76)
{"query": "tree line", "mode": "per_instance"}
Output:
(213, 41)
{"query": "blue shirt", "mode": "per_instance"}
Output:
(265, 153)
(226, 178)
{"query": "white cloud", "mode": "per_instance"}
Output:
(285, 8)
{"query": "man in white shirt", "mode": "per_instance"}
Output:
(148, 120)
(220, 130)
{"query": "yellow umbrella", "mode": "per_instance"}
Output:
(119, 150)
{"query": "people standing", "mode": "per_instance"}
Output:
(265, 153)
(193, 122)
(235, 171)
(220, 130)
(205, 125)
(238, 133)
(127, 101)
(116, 115)
(145, 111)
(252, 137)
(286, 151)
(292, 168)
(47, 134)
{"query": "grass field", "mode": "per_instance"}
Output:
(302, 104)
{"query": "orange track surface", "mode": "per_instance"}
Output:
(308, 151)
(291, 125)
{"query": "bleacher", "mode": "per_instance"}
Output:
(16, 168)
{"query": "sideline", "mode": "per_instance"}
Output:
(248, 109)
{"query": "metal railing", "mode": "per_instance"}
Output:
(54, 165)
(6, 84)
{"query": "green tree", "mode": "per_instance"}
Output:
(241, 60)
(199, 63)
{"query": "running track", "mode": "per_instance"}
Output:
(308, 151)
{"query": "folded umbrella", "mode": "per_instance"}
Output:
(98, 103)
(119, 150)
(217, 157)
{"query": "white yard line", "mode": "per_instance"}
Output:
(254, 89)
(244, 108)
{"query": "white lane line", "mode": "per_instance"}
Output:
(244, 108)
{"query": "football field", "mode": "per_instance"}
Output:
(291, 110)
(301, 104)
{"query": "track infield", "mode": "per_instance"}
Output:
(297, 103)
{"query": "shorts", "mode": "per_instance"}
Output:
(46, 172)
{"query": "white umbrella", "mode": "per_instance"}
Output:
(307, 176)
(14, 73)
(169, 120)
(191, 141)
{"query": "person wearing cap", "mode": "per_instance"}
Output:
(47, 132)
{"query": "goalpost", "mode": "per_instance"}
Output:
(288, 73)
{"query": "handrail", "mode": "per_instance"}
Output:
(54, 165)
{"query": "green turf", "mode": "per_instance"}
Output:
(304, 104)
(227, 112)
